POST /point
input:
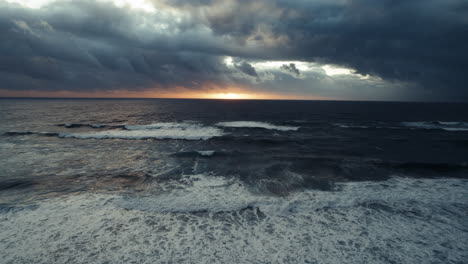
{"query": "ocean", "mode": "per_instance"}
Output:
(232, 181)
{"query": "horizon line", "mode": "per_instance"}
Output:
(221, 99)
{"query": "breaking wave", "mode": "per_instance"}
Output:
(350, 126)
(188, 130)
(165, 125)
(447, 126)
(437, 125)
(195, 132)
(206, 153)
(202, 133)
(254, 124)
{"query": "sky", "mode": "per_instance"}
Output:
(392, 50)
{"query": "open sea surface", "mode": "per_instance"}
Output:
(232, 181)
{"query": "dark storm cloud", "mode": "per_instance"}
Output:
(422, 42)
(419, 42)
(92, 45)
(87, 45)
(290, 68)
(247, 69)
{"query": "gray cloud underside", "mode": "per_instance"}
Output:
(417, 47)
(291, 68)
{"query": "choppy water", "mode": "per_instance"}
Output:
(200, 181)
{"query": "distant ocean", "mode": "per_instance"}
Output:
(228, 181)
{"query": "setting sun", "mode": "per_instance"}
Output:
(232, 96)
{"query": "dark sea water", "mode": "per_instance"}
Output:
(213, 181)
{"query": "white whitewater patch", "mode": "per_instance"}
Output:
(454, 129)
(186, 131)
(396, 221)
(206, 153)
(451, 123)
(349, 126)
(214, 194)
(447, 126)
(197, 193)
(165, 125)
(254, 124)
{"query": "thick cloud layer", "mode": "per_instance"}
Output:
(393, 49)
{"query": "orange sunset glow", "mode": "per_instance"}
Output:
(232, 96)
(178, 93)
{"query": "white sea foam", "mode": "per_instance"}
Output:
(424, 125)
(254, 124)
(206, 152)
(349, 126)
(448, 126)
(450, 123)
(157, 131)
(400, 220)
(214, 194)
(197, 193)
(454, 129)
(165, 125)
